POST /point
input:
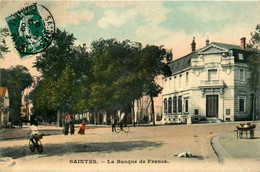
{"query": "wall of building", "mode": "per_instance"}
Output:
(198, 78)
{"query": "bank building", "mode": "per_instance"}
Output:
(210, 84)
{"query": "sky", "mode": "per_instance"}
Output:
(169, 23)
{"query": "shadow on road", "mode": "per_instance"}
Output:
(72, 147)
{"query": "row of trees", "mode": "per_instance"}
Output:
(109, 76)
(16, 79)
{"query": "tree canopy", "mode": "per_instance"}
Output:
(255, 38)
(125, 71)
(66, 74)
(254, 60)
(16, 79)
(111, 75)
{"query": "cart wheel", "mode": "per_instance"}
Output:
(252, 134)
(240, 134)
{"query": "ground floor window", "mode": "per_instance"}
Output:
(242, 104)
(186, 105)
(180, 104)
(165, 105)
(174, 104)
(227, 111)
(170, 105)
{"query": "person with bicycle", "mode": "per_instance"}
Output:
(33, 131)
(113, 123)
(34, 141)
(121, 120)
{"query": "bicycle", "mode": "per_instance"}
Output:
(125, 128)
(36, 143)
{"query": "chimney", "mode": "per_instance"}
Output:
(243, 43)
(207, 41)
(193, 45)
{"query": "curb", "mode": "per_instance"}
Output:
(219, 150)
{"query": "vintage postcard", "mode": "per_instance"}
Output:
(129, 85)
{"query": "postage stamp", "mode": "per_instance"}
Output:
(32, 29)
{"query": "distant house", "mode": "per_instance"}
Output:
(143, 110)
(4, 107)
(210, 83)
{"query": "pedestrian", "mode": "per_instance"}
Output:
(66, 126)
(72, 126)
(21, 123)
(113, 123)
(121, 120)
(82, 128)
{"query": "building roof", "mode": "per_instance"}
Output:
(2, 91)
(185, 61)
(227, 46)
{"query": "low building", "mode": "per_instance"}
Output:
(210, 83)
(4, 107)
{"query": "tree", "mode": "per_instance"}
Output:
(255, 38)
(152, 64)
(115, 85)
(66, 74)
(16, 79)
(55, 59)
(3, 47)
(124, 72)
(254, 63)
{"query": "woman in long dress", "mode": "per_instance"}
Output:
(82, 128)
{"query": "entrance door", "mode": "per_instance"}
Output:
(212, 106)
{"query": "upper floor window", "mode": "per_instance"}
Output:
(180, 81)
(241, 74)
(174, 81)
(212, 74)
(230, 53)
(240, 56)
(187, 78)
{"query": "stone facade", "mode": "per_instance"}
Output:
(210, 83)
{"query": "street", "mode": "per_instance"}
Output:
(143, 147)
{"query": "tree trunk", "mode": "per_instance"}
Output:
(133, 113)
(59, 120)
(97, 118)
(152, 113)
(107, 118)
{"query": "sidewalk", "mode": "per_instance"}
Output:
(229, 148)
(21, 133)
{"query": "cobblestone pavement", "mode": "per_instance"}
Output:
(142, 149)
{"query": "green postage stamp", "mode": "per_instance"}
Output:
(32, 29)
